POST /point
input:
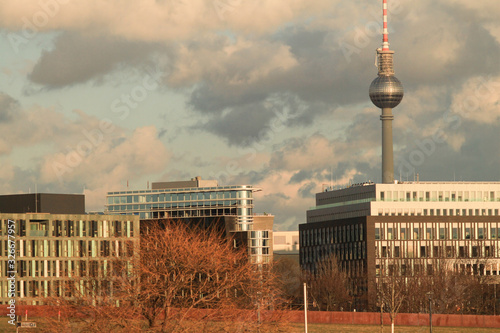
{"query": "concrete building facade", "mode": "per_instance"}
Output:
(54, 252)
(421, 225)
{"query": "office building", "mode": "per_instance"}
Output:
(57, 252)
(197, 201)
(422, 224)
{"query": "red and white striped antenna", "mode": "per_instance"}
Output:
(385, 39)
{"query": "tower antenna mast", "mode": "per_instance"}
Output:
(386, 92)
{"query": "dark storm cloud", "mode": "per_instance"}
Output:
(241, 125)
(205, 98)
(477, 159)
(318, 84)
(76, 58)
(261, 121)
(8, 107)
(300, 176)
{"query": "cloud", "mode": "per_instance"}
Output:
(478, 100)
(151, 20)
(109, 164)
(8, 107)
(67, 154)
(77, 58)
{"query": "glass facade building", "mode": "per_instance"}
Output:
(202, 201)
(187, 202)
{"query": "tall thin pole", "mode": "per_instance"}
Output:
(387, 149)
(305, 307)
(429, 294)
(430, 314)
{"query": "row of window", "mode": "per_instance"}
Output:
(435, 231)
(69, 228)
(439, 196)
(54, 288)
(345, 251)
(58, 268)
(424, 267)
(243, 213)
(331, 235)
(155, 207)
(397, 249)
(437, 212)
(69, 248)
(169, 197)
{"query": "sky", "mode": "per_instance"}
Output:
(95, 95)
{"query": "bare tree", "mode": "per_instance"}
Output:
(183, 274)
(329, 286)
(289, 274)
(392, 287)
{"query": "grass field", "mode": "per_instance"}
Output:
(317, 328)
(320, 328)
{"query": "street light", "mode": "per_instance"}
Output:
(429, 294)
(305, 307)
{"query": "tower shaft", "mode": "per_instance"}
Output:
(386, 68)
(387, 150)
(386, 92)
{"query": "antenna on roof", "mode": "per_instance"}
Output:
(331, 177)
(36, 199)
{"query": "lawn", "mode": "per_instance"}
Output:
(318, 328)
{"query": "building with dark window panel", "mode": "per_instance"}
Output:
(421, 224)
(197, 201)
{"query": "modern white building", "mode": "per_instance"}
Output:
(425, 225)
(408, 199)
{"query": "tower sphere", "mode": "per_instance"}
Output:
(386, 91)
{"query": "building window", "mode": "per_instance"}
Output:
(480, 233)
(416, 233)
(441, 233)
(422, 252)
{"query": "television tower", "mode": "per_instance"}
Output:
(386, 92)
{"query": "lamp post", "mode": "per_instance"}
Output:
(429, 294)
(305, 307)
